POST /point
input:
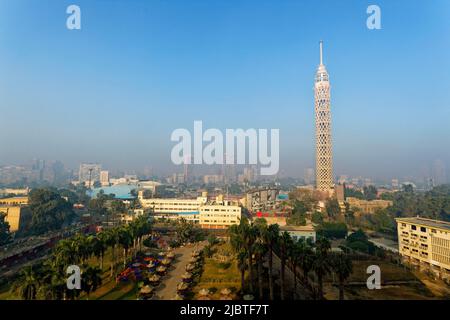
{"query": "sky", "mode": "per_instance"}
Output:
(114, 91)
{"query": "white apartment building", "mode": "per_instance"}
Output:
(425, 243)
(218, 214)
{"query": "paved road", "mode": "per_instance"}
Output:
(168, 288)
(386, 244)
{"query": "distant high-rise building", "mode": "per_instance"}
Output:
(309, 176)
(395, 184)
(104, 178)
(439, 172)
(89, 173)
(343, 179)
(324, 152)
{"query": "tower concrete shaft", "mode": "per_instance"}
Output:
(324, 147)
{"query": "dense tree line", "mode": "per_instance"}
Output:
(255, 243)
(48, 280)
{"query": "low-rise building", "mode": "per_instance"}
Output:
(425, 243)
(367, 206)
(306, 233)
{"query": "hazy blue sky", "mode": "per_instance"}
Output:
(114, 91)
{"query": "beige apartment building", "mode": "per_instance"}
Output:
(219, 215)
(425, 243)
(16, 211)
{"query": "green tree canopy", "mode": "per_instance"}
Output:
(5, 235)
(49, 211)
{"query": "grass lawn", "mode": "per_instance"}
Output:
(409, 288)
(217, 276)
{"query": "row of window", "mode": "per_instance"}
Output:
(173, 209)
(441, 258)
(222, 210)
(416, 251)
(440, 242)
(220, 221)
(422, 229)
(441, 250)
(219, 215)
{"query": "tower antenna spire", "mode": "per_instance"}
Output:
(321, 52)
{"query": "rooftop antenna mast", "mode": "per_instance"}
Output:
(321, 52)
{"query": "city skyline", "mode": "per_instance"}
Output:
(108, 95)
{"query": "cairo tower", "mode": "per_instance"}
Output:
(324, 147)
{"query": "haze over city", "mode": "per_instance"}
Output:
(114, 91)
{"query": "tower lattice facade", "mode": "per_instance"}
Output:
(324, 147)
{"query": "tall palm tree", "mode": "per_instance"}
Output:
(82, 246)
(343, 268)
(285, 245)
(260, 250)
(242, 265)
(28, 284)
(112, 240)
(295, 253)
(91, 279)
(125, 240)
(249, 236)
(321, 264)
(237, 242)
(99, 246)
(271, 236)
(306, 260)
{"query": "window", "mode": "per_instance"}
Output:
(423, 229)
(413, 227)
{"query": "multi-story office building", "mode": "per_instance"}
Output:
(425, 243)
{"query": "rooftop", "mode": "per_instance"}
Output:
(297, 228)
(426, 222)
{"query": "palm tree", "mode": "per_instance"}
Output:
(99, 246)
(91, 279)
(249, 237)
(28, 284)
(260, 250)
(242, 265)
(294, 257)
(271, 236)
(125, 240)
(112, 239)
(342, 266)
(321, 264)
(238, 244)
(306, 260)
(82, 246)
(285, 245)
